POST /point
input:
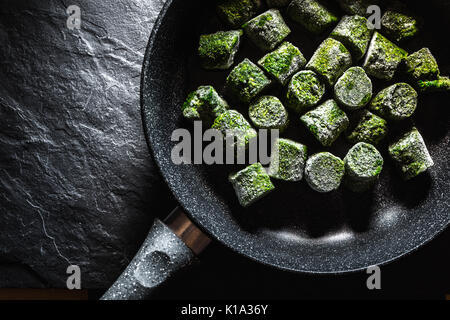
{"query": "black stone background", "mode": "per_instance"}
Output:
(78, 185)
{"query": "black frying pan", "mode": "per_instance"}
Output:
(295, 228)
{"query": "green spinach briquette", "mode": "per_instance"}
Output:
(441, 84)
(369, 128)
(303, 85)
(358, 7)
(352, 31)
(287, 160)
(324, 172)
(246, 81)
(217, 50)
(326, 122)
(204, 104)
(330, 61)
(383, 57)
(363, 165)
(267, 30)
(398, 26)
(421, 65)
(268, 113)
(251, 184)
(353, 89)
(396, 102)
(282, 63)
(411, 154)
(305, 90)
(237, 12)
(312, 15)
(232, 122)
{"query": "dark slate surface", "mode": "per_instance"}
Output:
(78, 185)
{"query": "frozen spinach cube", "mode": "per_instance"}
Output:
(421, 65)
(330, 60)
(268, 113)
(246, 81)
(282, 63)
(326, 122)
(204, 104)
(251, 184)
(398, 26)
(352, 31)
(233, 123)
(369, 128)
(305, 90)
(277, 3)
(353, 89)
(441, 84)
(237, 12)
(358, 7)
(411, 154)
(324, 172)
(217, 50)
(267, 30)
(287, 160)
(363, 165)
(383, 57)
(312, 15)
(396, 102)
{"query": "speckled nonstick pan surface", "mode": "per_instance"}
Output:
(296, 228)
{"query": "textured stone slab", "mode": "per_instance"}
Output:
(78, 184)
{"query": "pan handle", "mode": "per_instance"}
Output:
(166, 250)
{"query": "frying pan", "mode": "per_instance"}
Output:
(294, 228)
